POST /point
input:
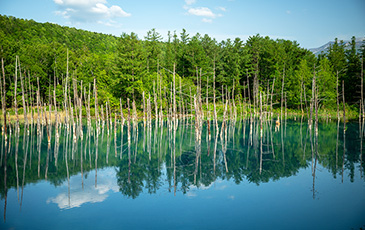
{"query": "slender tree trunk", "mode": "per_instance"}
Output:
(38, 103)
(155, 101)
(66, 94)
(313, 97)
(362, 88)
(121, 111)
(174, 96)
(249, 96)
(3, 100)
(96, 104)
(272, 93)
(23, 98)
(301, 93)
(343, 100)
(15, 90)
(337, 97)
(180, 101)
(215, 107)
(282, 95)
(55, 102)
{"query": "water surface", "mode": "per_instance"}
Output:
(176, 177)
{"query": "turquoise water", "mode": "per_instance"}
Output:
(172, 177)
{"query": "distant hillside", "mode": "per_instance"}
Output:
(26, 32)
(324, 48)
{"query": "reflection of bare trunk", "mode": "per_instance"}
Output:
(174, 149)
(107, 149)
(96, 160)
(224, 148)
(215, 150)
(261, 154)
(135, 134)
(282, 95)
(305, 144)
(5, 185)
(115, 135)
(314, 171)
(129, 160)
(67, 171)
(121, 138)
(47, 161)
(338, 131)
(360, 155)
(25, 163)
(81, 164)
(344, 128)
(282, 145)
(16, 162)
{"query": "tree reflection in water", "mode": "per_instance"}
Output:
(171, 154)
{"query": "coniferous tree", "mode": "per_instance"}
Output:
(352, 77)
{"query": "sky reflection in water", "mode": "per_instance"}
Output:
(234, 182)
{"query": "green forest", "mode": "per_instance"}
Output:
(130, 67)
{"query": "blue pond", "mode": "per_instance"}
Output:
(172, 176)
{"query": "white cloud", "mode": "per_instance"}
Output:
(88, 10)
(288, 12)
(89, 193)
(190, 2)
(222, 8)
(191, 194)
(202, 11)
(205, 12)
(207, 20)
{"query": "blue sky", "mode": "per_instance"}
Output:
(311, 23)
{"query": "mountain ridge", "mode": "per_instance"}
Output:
(347, 43)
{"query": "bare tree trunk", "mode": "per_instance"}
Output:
(96, 104)
(155, 101)
(31, 96)
(174, 105)
(215, 108)
(15, 88)
(23, 97)
(301, 92)
(180, 101)
(144, 110)
(337, 97)
(38, 102)
(55, 102)
(272, 94)
(88, 108)
(249, 96)
(282, 94)
(244, 100)
(107, 116)
(66, 94)
(362, 89)
(313, 98)
(3, 92)
(343, 99)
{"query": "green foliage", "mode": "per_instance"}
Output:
(126, 66)
(326, 83)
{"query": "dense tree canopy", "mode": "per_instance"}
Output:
(126, 66)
